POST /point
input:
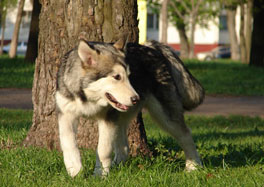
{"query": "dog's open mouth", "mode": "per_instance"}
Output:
(115, 102)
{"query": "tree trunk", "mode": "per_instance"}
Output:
(243, 49)
(184, 44)
(249, 27)
(61, 24)
(32, 47)
(164, 23)
(13, 46)
(231, 25)
(193, 24)
(257, 45)
(3, 20)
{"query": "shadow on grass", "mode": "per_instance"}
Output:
(235, 157)
(215, 65)
(229, 135)
(221, 154)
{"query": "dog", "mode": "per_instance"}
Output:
(111, 83)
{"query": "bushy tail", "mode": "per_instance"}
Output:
(190, 90)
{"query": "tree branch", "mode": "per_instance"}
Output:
(177, 10)
(196, 8)
(184, 5)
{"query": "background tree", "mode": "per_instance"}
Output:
(32, 47)
(231, 9)
(192, 9)
(62, 24)
(177, 16)
(245, 30)
(164, 17)
(186, 15)
(242, 34)
(13, 46)
(248, 25)
(4, 6)
(257, 45)
(239, 50)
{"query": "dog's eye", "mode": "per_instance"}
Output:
(117, 77)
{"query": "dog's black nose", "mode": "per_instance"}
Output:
(134, 99)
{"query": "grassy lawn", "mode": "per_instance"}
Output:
(224, 77)
(231, 148)
(218, 77)
(15, 73)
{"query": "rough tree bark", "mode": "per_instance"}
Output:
(257, 44)
(193, 12)
(243, 47)
(249, 27)
(32, 47)
(184, 44)
(181, 27)
(231, 25)
(13, 46)
(193, 25)
(61, 24)
(164, 18)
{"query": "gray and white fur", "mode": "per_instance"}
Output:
(112, 83)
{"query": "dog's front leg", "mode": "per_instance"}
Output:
(67, 129)
(107, 136)
(121, 145)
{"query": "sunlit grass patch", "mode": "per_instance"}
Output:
(231, 149)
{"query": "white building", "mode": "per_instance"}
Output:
(205, 38)
(25, 23)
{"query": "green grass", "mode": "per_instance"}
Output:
(232, 150)
(15, 73)
(228, 77)
(221, 77)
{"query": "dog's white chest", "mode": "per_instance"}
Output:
(77, 107)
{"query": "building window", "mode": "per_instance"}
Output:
(223, 22)
(26, 19)
(153, 21)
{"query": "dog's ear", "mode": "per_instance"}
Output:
(121, 43)
(87, 54)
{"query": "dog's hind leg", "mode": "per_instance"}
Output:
(169, 117)
(67, 131)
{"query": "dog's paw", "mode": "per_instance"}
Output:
(73, 171)
(101, 172)
(192, 165)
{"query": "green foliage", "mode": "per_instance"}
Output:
(231, 4)
(179, 15)
(5, 4)
(15, 73)
(231, 149)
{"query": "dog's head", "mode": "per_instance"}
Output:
(105, 74)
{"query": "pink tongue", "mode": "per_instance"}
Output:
(123, 107)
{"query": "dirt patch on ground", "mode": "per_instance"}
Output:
(14, 98)
(245, 105)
